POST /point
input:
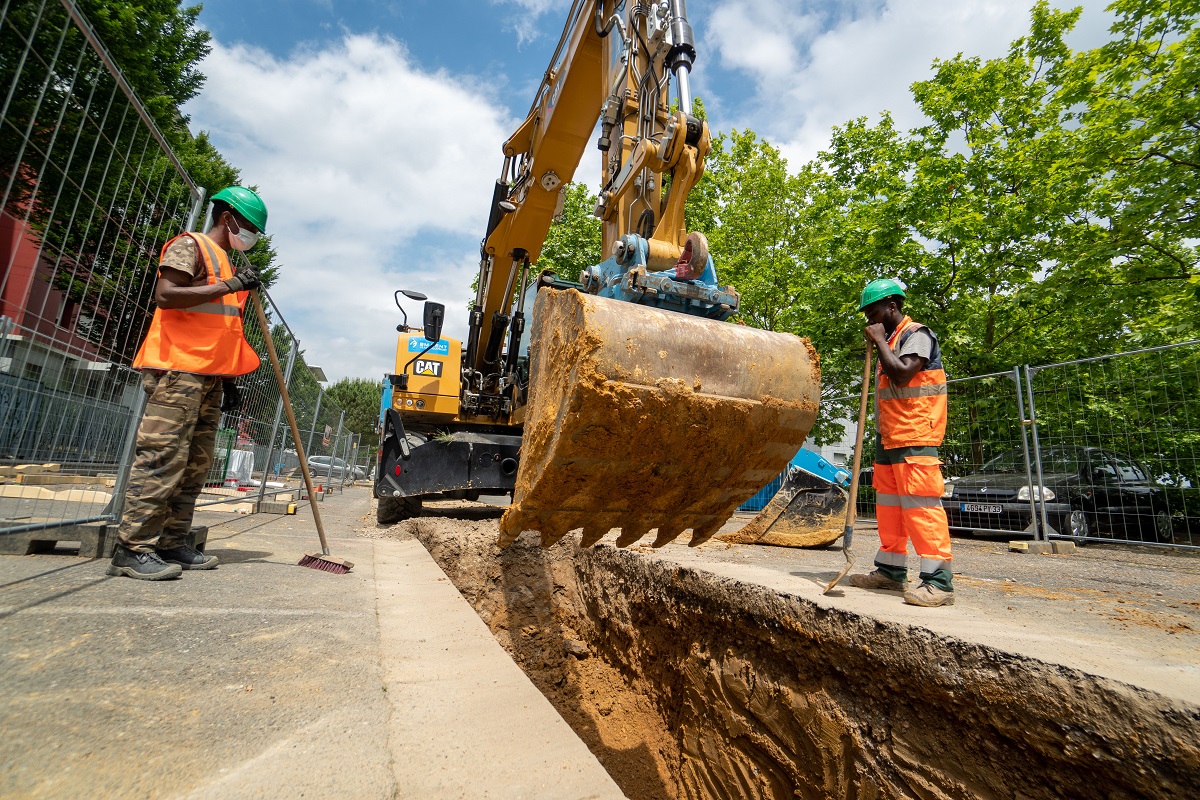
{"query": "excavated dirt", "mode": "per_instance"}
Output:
(688, 685)
(640, 384)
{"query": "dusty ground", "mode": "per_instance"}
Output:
(719, 671)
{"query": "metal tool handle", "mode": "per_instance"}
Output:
(852, 502)
(291, 416)
(852, 506)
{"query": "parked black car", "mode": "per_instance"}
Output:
(1087, 491)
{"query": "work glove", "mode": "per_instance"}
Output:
(231, 396)
(244, 280)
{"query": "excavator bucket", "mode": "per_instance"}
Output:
(641, 419)
(805, 512)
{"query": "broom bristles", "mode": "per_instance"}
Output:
(338, 566)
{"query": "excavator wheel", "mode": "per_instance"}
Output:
(396, 509)
(642, 419)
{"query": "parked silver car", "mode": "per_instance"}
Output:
(330, 467)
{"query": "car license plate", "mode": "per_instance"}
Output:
(980, 508)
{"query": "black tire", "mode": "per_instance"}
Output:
(1075, 525)
(1161, 529)
(396, 509)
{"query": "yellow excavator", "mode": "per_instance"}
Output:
(629, 402)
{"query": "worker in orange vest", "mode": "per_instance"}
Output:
(910, 411)
(193, 349)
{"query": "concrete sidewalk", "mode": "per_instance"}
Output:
(264, 679)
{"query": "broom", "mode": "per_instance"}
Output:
(322, 560)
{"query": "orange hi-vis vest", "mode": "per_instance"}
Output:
(206, 339)
(912, 415)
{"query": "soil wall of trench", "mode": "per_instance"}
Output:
(688, 685)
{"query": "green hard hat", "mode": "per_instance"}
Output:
(247, 203)
(879, 289)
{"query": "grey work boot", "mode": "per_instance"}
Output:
(188, 557)
(877, 580)
(929, 595)
(143, 566)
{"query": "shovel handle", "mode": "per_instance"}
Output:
(851, 507)
(852, 501)
(291, 417)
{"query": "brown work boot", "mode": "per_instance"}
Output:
(929, 595)
(877, 580)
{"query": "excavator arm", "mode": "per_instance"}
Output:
(641, 408)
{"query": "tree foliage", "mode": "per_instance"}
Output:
(360, 399)
(1045, 209)
(573, 241)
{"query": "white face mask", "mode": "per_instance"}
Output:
(243, 240)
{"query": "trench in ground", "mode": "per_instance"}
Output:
(688, 685)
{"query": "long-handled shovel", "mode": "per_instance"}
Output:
(322, 560)
(848, 532)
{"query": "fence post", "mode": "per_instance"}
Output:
(335, 451)
(287, 379)
(116, 505)
(1047, 528)
(316, 415)
(1034, 527)
(197, 207)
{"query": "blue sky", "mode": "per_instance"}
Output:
(373, 128)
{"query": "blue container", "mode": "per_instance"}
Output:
(760, 500)
(810, 462)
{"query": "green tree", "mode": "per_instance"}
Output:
(360, 399)
(574, 239)
(1137, 101)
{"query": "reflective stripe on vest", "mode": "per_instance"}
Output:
(913, 415)
(206, 339)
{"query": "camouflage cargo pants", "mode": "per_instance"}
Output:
(175, 442)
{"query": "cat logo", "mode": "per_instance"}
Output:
(429, 368)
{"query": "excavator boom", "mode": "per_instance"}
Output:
(631, 402)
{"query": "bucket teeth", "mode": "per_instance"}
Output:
(631, 534)
(592, 534)
(552, 537)
(667, 534)
(702, 533)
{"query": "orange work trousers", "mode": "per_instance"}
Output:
(908, 505)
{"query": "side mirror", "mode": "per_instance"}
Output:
(435, 314)
(411, 295)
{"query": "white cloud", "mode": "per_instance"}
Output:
(862, 60)
(377, 176)
(526, 18)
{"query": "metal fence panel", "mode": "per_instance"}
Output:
(1099, 449)
(1118, 445)
(90, 191)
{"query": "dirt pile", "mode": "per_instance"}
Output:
(689, 685)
